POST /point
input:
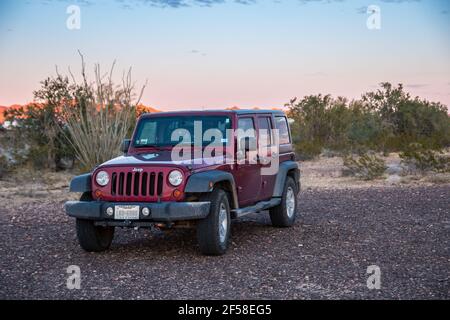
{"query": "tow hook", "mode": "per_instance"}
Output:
(164, 225)
(128, 222)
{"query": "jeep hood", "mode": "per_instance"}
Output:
(160, 158)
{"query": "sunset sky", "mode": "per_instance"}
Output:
(218, 53)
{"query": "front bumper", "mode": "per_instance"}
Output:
(159, 211)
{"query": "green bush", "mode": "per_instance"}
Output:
(366, 167)
(37, 134)
(419, 158)
(385, 120)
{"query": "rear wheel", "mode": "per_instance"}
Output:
(213, 232)
(93, 238)
(283, 215)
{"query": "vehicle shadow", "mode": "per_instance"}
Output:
(245, 232)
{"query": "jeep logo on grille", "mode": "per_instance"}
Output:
(138, 169)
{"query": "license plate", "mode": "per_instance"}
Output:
(126, 212)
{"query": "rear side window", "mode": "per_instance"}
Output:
(265, 133)
(283, 130)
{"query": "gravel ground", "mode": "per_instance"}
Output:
(339, 233)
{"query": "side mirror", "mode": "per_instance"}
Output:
(248, 144)
(125, 145)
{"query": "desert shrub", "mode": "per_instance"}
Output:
(13, 148)
(366, 167)
(310, 128)
(99, 117)
(409, 119)
(366, 130)
(307, 150)
(418, 158)
(36, 135)
(319, 122)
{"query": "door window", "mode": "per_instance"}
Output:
(265, 132)
(283, 130)
(246, 124)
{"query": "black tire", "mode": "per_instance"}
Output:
(93, 238)
(208, 229)
(279, 214)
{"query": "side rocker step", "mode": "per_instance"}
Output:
(260, 206)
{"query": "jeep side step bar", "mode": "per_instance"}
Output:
(260, 206)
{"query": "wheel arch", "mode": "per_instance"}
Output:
(81, 183)
(205, 182)
(287, 168)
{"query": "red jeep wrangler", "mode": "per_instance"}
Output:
(215, 178)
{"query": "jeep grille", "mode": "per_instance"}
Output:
(137, 183)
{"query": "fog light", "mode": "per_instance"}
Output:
(109, 211)
(98, 194)
(176, 193)
(146, 212)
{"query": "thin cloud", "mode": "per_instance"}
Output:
(399, 1)
(416, 85)
(316, 74)
(175, 4)
(319, 1)
(85, 3)
(361, 10)
(198, 52)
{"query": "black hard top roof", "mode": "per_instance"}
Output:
(238, 112)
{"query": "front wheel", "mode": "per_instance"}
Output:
(213, 232)
(283, 215)
(94, 238)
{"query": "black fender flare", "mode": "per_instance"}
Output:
(283, 170)
(203, 182)
(81, 183)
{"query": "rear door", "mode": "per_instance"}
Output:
(265, 141)
(248, 177)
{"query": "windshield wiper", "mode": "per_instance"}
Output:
(153, 146)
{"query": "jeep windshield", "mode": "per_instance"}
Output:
(182, 130)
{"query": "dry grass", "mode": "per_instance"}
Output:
(26, 185)
(326, 173)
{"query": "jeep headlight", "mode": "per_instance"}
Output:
(102, 178)
(175, 178)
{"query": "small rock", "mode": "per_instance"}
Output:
(395, 169)
(394, 179)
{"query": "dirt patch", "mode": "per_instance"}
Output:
(26, 186)
(326, 173)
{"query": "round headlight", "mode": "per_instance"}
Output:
(175, 178)
(102, 178)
